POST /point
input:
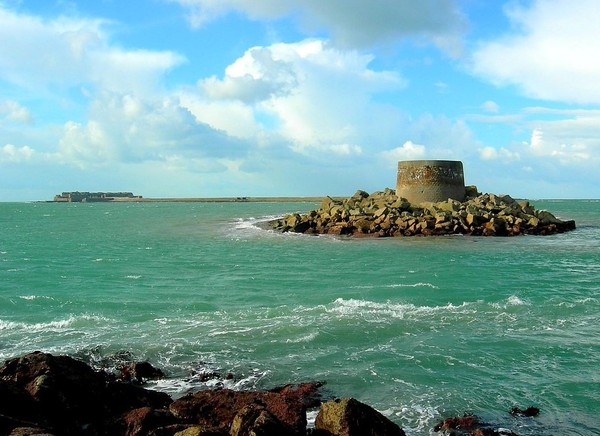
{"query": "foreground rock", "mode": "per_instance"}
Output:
(42, 394)
(65, 396)
(349, 417)
(385, 214)
(469, 425)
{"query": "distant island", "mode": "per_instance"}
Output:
(122, 197)
(87, 197)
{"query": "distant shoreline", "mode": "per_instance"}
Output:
(207, 200)
(221, 200)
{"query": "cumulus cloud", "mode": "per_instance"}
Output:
(11, 110)
(569, 142)
(490, 106)
(128, 128)
(552, 52)
(350, 23)
(503, 153)
(39, 54)
(407, 151)
(11, 153)
(298, 93)
(256, 76)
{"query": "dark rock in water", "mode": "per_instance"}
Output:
(141, 421)
(256, 420)
(141, 371)
(29, 431)
(491, 432)
(70, 397)
(350, 417)
(217, 409)
(307, 393)
(42, 394)
(17, 408)
(386, 214)
(530, 411)
(467, 422)
(469, 425)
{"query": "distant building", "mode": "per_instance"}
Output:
(85, 197)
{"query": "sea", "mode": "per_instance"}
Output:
(420, 328)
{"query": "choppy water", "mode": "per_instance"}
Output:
(420, 328)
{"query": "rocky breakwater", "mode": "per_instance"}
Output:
(384, 214)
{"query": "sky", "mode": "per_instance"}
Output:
(213, 98)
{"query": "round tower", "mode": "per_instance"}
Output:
(430, 180)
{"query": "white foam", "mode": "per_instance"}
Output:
(353, 307)
(413, 285)
(51, 325)
(513, 300)
(35, 297)
(305, 338)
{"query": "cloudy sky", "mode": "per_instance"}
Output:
(218, 98)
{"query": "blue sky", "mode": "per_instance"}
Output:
(202, 98)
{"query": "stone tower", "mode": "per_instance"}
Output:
(430, 180)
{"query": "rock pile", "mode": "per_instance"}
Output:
(46, 395)
(385, 214)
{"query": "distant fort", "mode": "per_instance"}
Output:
(87, 197)
(124, 197)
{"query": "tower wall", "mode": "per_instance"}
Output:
(430, 180)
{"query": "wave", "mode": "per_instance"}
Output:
(513, 300)
(71, 321)
(398, 285)
(35, 297)
(353, 307)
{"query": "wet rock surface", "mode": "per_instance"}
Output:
(383, 214)
(42, 394)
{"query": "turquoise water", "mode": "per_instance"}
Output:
(420, 328)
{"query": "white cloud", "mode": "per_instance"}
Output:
(312, 96)
(551, 54)
(351, 23)
(11, 110)
(11, 153)
(490, 106)
(40, 54)
(128, 128)
(407, 151)
(574, 142)
(504, 154)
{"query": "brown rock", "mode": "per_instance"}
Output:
(141, 421)
(467, 422)
(29, 431)
(255, 420)
(350, 417)
(307, 393)
(142, 371)
(219, 408)
(71, 396)
(530, 411)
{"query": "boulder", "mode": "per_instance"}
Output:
(350, 417)
(309, 394)
(467, 422)
(70, 397)
(140, 421)
(142, 371)
(256, 420)
(218, 408)
(530, 411)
